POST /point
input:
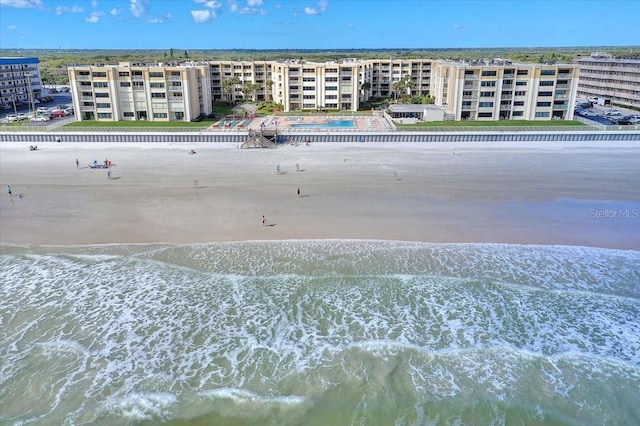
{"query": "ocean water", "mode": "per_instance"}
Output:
(337, 332)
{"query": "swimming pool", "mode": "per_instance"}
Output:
(343, 124)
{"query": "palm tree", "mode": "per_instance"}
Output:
(366, 86)
(269, 85)
(229, 86)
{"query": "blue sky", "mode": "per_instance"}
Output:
(316, 24)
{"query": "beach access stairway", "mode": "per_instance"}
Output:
(260, 140)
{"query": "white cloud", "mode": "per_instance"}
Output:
(94, 3)
(322, 7)
(460, 27)
(115, 12)
(94, 17)
(254, 3)
(200, 16)
(12, 27)
(138, 8)
(21, 3)
(209, 14)
(61, 10)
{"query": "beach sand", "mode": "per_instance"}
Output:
(572, 194)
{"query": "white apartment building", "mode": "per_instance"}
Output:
(480, 91)
(505, 91)
(20, 81)
(140, 92)
(617, 80)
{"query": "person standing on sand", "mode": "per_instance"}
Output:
(77, 164)
(9, 191)
(298, 191)
(109, 174)
(264, 221)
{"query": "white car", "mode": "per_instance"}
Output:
(21, 116)
(40, 118)
(11, 118)
(42, 110)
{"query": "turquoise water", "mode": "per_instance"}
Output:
(343, 124)
(319, 332)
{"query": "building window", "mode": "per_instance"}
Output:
(485, 104)
(331, 88)
(179, 115)
(156, 74)
(128, 114)
(518, 103)
(125, 84)
(123, 74)
(546, 83)
(487, 94)
(488, 84)
(543, 104)
(520, 93)
(517, 113)
(99, 74)
(308, 79)
(159, 115)
(489, 73)
(331, 79)
(545, 94)
(485, 114)
(103, 105)
(308, 70)
(157, 95)
(309, 97)
(521, 83)
(548, 72)
(104, 115)
(156, 85)
(102, 95)
(101, 84)
(542, 114)
(522, 72)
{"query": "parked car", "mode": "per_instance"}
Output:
(586, 113)
(21, 116)
(635, 118)
(42, 110)
(40, 118)
(68, 111)
(58, 113)
(11, 118)
(623, 121)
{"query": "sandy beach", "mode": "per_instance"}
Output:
(570, 194)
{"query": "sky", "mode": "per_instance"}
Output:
(316, 24)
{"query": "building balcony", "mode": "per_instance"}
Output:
(471, 77)
(470, 97)
(174, 78)
(83, 78)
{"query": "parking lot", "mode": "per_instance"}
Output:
(57, 100)
(602, 114)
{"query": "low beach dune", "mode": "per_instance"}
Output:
(573, 194)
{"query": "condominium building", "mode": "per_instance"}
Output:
(478, 91)
(20, 81)
(501, 90)
(617, 80)
(128, 91)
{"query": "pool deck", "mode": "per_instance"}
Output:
(284, 123)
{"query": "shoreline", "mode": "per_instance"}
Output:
(500, 193)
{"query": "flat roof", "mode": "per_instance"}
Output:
(5, 60)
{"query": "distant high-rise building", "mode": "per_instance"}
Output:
(20, 81)
(616, 80)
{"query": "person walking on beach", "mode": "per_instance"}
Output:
(77, 164)
(278, 169)
(9, 190)
(298, 191)
(297, 167)
(264, 221)
(109, 174)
